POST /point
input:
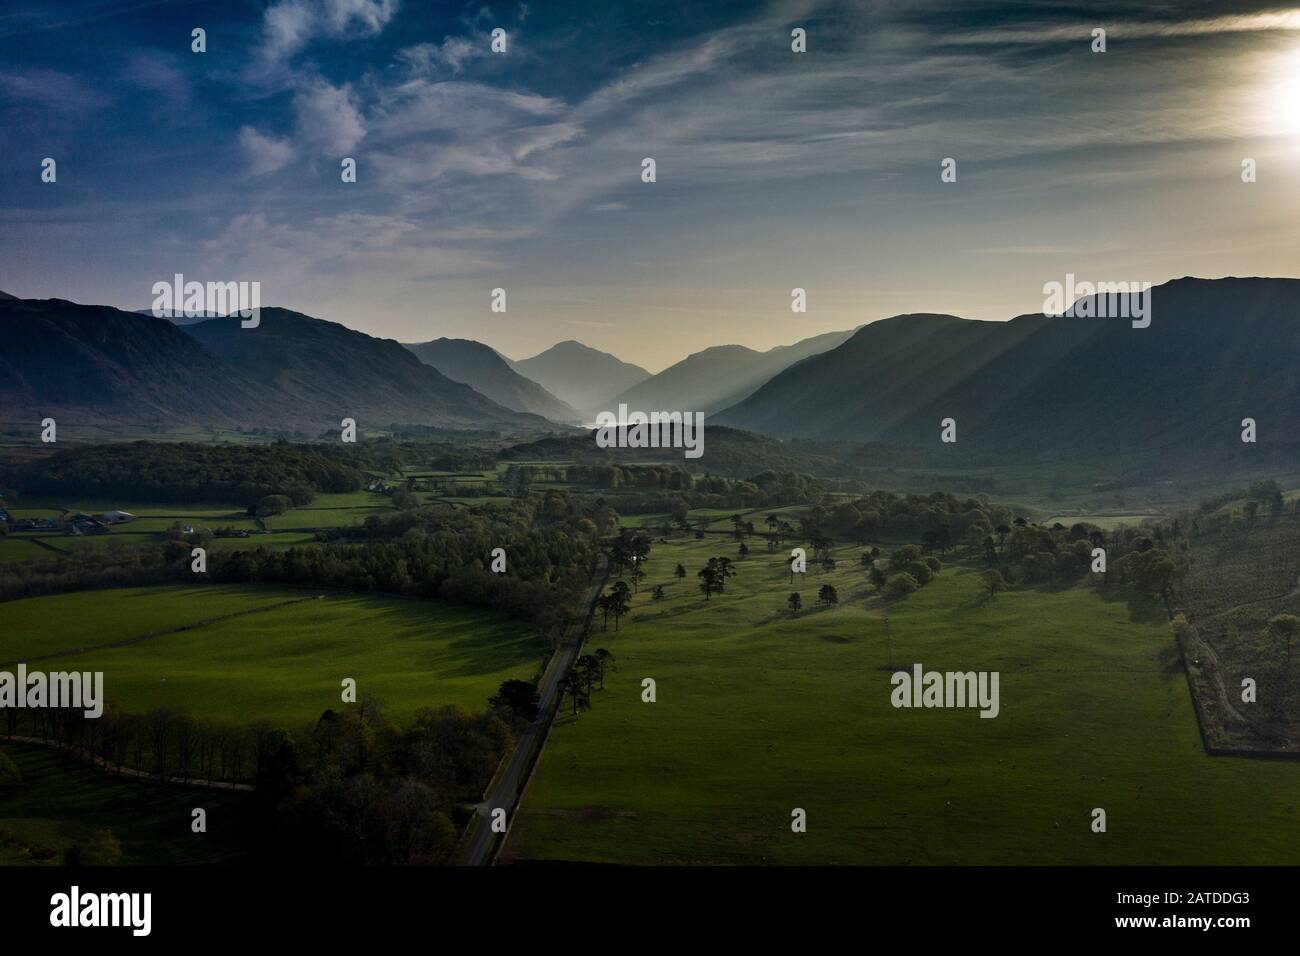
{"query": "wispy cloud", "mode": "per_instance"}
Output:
(52, 90)
(265, 154)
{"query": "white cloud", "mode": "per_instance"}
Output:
(265, 154)
(289, 26)
(328, 117)
(369, 16)
(53, 90)
(450, 56)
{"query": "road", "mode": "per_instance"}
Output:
(506, 789)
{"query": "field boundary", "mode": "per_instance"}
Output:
(141, 638)
(127, 773)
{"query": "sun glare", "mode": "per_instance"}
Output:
(1286, 105)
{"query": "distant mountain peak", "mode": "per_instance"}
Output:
(581, 376)
(484, 369)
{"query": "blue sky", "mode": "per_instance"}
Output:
(522, 170)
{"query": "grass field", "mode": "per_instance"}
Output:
(285, 664)
(760, 711)
(61, 801)
(1107, 521)
(293, 528)
(20, 549)
(61, 622)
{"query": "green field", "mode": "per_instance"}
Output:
(80, 619)
(295, 527)
(61, 801)
(20, 549)
(760, 711)
(285, 664)
(1107, 521)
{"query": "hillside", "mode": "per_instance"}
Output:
(1217, 351)
(94, 363)
(719, 377)
(484, 370)
(341, 373)
(583, 377)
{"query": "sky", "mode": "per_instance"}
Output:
(522, 169)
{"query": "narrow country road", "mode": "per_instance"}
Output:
(506, 789)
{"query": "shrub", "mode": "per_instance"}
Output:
(903, 556)
(900, 585)
(920, 571)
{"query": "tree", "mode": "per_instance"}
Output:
(273, 505)
(710, 580)
(993, 580)
(658, 593)
(620, 601)
(517, 698)
(605, 660)
(742, 551)
(827, 594)
(572, 685)
(795, 601)
(588, 670)
(900, 585)
(680, 572)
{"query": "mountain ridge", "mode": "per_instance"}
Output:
(1216, 351)
(720, 376)
(487, 372)
(579, 375)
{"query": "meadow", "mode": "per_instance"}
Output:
(61, 801)
(761, 710)
(284, 663)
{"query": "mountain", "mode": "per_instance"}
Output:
(5, 295)
(719, 377)
(484, 370)
(342, 373)
(179, 317)
(94, 363)
(581, 376)
(1216, 351)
